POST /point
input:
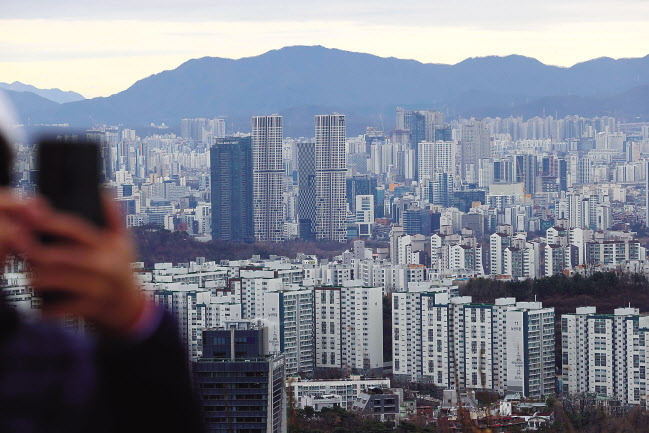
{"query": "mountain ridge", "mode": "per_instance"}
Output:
(54, 94)
(304, 79)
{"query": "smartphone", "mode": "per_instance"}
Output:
(69, 179)
(5, 162)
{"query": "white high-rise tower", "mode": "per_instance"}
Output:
(330, 177)
(268, 179)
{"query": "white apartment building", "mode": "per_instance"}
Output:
(288, 314)
(348, 325)
(524, 262)
(451, 342)
(365, 214)
(498, 242)
(558, 258)
(426, 160)
(604, 354)
(194, 310)
(407, 246)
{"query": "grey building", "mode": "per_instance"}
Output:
(231, 189)
(239, 384)
(379, 405)
(306, 212)
(475, 145)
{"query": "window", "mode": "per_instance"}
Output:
(600, 326)
(600, 360)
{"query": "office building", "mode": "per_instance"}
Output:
(306, 181)
(232, 189)
(330, 177)
(268, 178)
(239, 383)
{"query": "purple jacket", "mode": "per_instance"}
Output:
(55, 381)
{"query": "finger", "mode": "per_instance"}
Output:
(70, 227)
(71, 283)
(113, 215)
(10, 202)
(13, 236)
(69, 258)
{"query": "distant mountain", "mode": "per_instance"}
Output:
(301, 81)
(28, 104)
(56, 95)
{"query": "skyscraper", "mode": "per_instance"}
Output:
(231, 188)
(306, 203)
(421, 126)
(268, 178)
(474, 147)
(330, 177)
(526, 172)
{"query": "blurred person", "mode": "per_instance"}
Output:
(131, 376)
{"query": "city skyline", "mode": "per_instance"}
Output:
(124, 44)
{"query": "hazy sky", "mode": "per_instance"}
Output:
(100, 49)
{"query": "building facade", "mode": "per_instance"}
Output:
(268, 178)
(232, 189)
(331, 167)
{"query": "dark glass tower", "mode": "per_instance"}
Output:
(240, 385)
(306, 189)
(231, 182)
(360, 185)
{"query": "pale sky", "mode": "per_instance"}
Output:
(101, 49)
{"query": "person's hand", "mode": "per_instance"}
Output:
(91, 266)
(13, 236)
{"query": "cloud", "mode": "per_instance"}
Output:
(477, 14)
